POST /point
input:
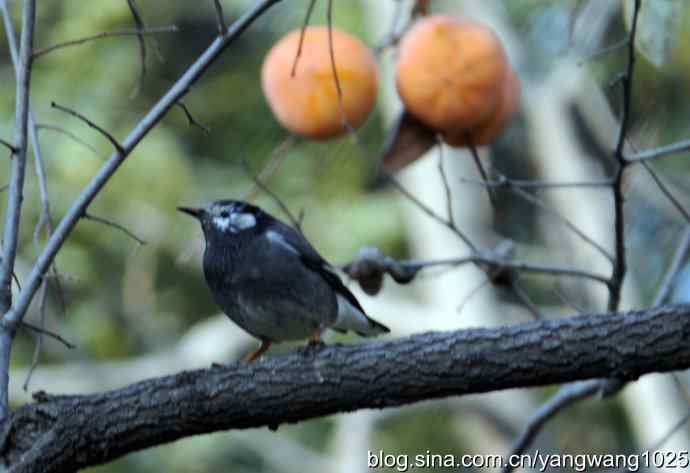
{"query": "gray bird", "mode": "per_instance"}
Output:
(269, 279)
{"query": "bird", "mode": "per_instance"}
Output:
(270, 281)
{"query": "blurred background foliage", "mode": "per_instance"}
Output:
(122, 299)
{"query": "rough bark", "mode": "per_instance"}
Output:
(65, 433)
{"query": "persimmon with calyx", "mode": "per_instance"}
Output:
(307, 102)
(453, 75)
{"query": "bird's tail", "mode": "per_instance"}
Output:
(351, 318)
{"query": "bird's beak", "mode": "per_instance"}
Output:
(196, 213)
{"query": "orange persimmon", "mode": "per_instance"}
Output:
(307, 103)
(452, 74)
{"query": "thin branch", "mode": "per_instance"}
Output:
(69, 134)
(446, 184)
(540, 204)
(155, 114)
(310, 10)
(297, 223)
(480, 168)
(656, 446)
(40, 330)
(673, 148)
(526, 300)
(220, 17)
(503, 181)
(666, 191)
(393, 36)
(91, 124)
(568, 395)
(115, 225)
(139, 22)
(676, 264)
(334, 70)
(620, 265)
(106, 34)
(426, 209)
(507, 264)
(45, 221)
(404, 271)
(278, 155)
(15, 194)
(49, 333)
(605, 50)
(9, 146)
(192, 121)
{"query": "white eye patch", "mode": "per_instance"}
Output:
(235, 222)
(221, 223)
(242, 221)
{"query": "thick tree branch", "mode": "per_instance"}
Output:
(65, 433)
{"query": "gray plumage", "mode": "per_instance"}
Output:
(269, 280)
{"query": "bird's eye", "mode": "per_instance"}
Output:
(224, 214)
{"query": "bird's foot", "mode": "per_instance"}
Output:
(253, 356)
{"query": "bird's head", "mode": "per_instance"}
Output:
(225, 218)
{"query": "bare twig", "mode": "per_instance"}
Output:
(192, 121)
(426, 209)
(619, 265)
(69, 134)
(503, 181)
(568, 395)
(673, 148)
(9, 146)
(40, 330)
(15, 194)
(49, 333)
(334, 69)
(676, 264)
(660, 443)
(521, 294)
(277, 156)
(513, 265)
(605, 50)
(115, 225)
(18, 166)
(157, 112)
(295, 221)
(406, 269)
(91, 124)
(666, 191)
(446, 184)
(480, 168)
(220, 17)
(566, 300)
(106, 34)
(310, 10)
(139, 22)
(393, 36)
(540, 204)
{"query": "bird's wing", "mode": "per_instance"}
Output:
(282, 234)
